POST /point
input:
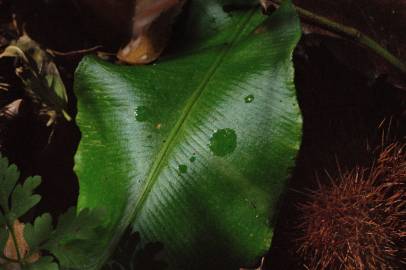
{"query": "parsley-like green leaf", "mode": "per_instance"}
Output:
(44, 263)
(22, 198)
(38, 233)
(3, 237)
(71, 243)
(77, 226)
(8, 178)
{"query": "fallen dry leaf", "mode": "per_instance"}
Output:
(10, 250)
(147, 23)
(151, 29)
(11, 110)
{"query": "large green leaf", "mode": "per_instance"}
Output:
(195, 150)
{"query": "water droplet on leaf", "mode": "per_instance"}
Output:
(182, 168)
(192, 159)
(249, 99)
(223, 142)
(142, 114)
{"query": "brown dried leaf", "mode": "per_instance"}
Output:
(11, 110)
(148, 24)
(151, 29)
(10, 250)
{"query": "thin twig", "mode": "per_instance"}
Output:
(351, 33)
(82, 51)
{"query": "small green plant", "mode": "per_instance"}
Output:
(40, 78)
(39, 245)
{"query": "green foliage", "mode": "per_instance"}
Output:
(125, 253)
(40, 76)
(69, 243)
(3, 236)
(227, 99)
(72, 241)
(23, 199)
(8, 179)
(38, 233)
(44, 263)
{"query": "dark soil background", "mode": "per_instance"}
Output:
(344, 104)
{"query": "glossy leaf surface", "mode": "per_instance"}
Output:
(195, 150)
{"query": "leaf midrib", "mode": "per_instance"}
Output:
(159, 160)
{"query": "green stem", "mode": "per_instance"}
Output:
(351, 33)
(13, 236)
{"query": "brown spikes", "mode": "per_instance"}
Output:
(358, 220)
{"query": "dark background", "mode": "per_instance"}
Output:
(344, 91)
